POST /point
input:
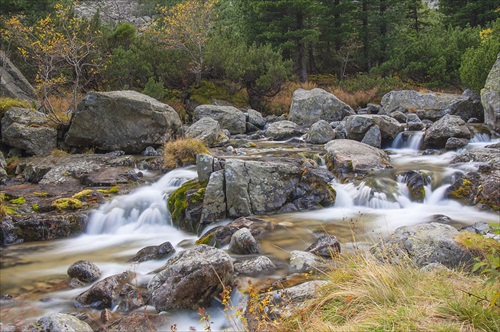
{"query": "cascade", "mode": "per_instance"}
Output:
(145, 206)
(410, 140)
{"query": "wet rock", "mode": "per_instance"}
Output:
(243, 243)
(221, 236)
(446, 127)
(8, 232)
(464, 187)
(440, 218)
(131, 298)
(454, 143)
(105, 293)
(325, 246)
(85, 271)
(209, 131)
(310, 106)
(153, 252)
(150, 152)
(303, 261)
(121, 120)
(424, 244)
(283, 130)
(58, 322)
(399, 116)
(320, 133)
(490, 99)
(29, 131)
(191, 279)
(3, 166)
(204, 166)
(415, 182)
(414, 123)
(256, 265)
(488, 156)
(228, 117)
(479, 227)
(489, 196)
(186, 204)
(346, 157)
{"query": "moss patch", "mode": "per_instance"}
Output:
(83, 194)
(18, 201)
(463, 191)
(178, 202)
(477, 243)
(112, 190)
(67, 204)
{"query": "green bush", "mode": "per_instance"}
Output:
(207, 90)
(477, 61)
(154, 89)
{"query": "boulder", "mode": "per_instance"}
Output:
(58, 322)
(214, 201)
(243, 243)
(29, 131)
(357, 126)
(204, 166)
(430, 105)
(320, 133)
(424, 244)
(414, 123)
(345, 157)
(3, 166)
(13, 84)
(191, 279)
(256, 265)
(228, 117)
(454, 143)
(207, 130)
(85, 271)
(283, 130)
(310, 106)
(153, 252)
(186, 204)
(105, 293)
(121, 120)
(305, 262)
(415, 182)
(490, 97)
(277, 185)
(373, 137)
(326, 246)
(256, 119)
(446, 127)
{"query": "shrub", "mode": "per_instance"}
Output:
(182, 152)
(154, 89)
(477, 61)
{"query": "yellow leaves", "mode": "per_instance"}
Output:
(485, 34)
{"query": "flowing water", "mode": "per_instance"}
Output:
(363, 213)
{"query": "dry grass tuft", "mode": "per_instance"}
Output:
(182, 152)
(356, 99)
(367, 295)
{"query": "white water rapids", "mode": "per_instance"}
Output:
(121, 227)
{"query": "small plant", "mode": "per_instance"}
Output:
(182, 152)
(67, 204)
(18, 201)
(112, 190)
(8, 103)
(83, 194)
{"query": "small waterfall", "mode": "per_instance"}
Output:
(410, 140)
(145, 206)
(480, 138)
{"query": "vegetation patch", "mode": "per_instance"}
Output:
(112, 190)
(178, 202)
(67, 204)
(18, 201)
(477, 243)
(8, 103)
(83, 194)
(182, 152)
(366, 295)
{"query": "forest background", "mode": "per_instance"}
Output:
(252, 52)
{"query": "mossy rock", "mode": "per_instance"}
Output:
(185, 205)
(112, 190)
(67, 204)
(477, 243)
(83, 194)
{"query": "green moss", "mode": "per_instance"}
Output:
(463, 191)
(67, 204)
(477, 243)
(8, 103)
(209, 239)
(18, 201)
(83, 194)
(178, 202)
(40, 194)
(112, 190)
(35, 207)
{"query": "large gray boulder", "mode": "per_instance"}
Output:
(443, 129)
(214, 201)
(105, 293)
(430, 105)
(424, 244)
(357, 126)
(57, 322)
(256, 119)
(229, 117)
(320, 133)
(207, 130)
(280, 185)
(490, 97)
(191, 279)
(84, 270)
(310, 106)
(121, 120)
(348, 157)
(13, 84)
(29, 131)
(283, 130)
